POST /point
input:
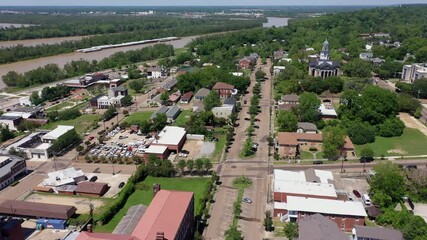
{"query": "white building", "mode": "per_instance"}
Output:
(223, 111)
(327, 111)
(309, 175)
(278, 69)
(12, 122)
(410, 73)
(56, 133)
(68, 176)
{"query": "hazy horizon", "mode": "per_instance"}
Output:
(166, 3)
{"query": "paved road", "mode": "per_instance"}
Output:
(252, 215)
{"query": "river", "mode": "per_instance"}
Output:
(62, 59)
(276, 22)
(39, 41)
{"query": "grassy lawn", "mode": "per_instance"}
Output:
(195, 185)
(59, 106)
(278, 228)
(307, 155)
(183, 118)
(137, 117)
(219, 145)
(412, 142)
(180, 50)
(81, 123)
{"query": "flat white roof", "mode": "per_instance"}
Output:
(18, 114)
(154, 149)
(44, 146)
(58, 132)
(61, 177)
(3, 158)
(306, 188)
(170, 135)
(299, 176)
(317, 205)
(327, 111)
(223, 107)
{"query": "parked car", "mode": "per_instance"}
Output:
(366, 159)
(185, 151)
(366, 199)
(121, 184)
(247, 200)
(93, 179)
(318, 162)
(357, 193)
(247, 119)
(256, 126)
(411, 167)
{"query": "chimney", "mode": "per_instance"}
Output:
(156, 188)
(160, 236)
(89, 228)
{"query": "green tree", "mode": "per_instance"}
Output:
(5, 133)
(212, 100)
(199, 165)
(287, 121)
(334, 84)
(268, 222)
(136, 85)
(159, 122)
(233, 234)
(181, 165)
(361, 133)
(260, 74)
(127, 100)
(358, 68)
(247, 148)
(79, 148)
(35, 98)
(333, 141)
(164, 97)
(190, 165)
(388, 180)
(308, 107)
(367, 152)
(291, 230)
(407, 103)
(207, 164)
(110, 113)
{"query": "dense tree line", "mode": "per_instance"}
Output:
(127, 31)
(52, 72)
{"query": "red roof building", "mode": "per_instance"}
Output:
(223, 89)
(91, 189)
(104, 236)
(170, 213)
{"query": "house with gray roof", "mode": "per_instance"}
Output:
(318, 227)
(306, 127)
(173, 113)
(231, 101)
(375, 233)
(162, 109)
(366, 56)
(202, 94)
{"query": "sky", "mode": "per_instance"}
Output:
(199, 3)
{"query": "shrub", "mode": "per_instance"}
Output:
(313, 149)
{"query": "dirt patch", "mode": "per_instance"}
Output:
(194, 147)
(397, 151)
(82, 204)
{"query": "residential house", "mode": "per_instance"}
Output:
(287, 102)
(346, 214)
(154, 72)
(378, 61)
(367, 56)
(237, 74)
(162, 109)
(306, 127)
(231, 101)
(169, 83)
(114, 98)
(278, 69)
(278, 54)
(245, 63)
(174, 97)
(186, 98)
(381, 35)
(173, 113)
(415, 71)
(12, 122)
(375, 233)
(224, 111)
(173, 70)
(318, 227)
(223, 89)
(10, 169)
(202, 94)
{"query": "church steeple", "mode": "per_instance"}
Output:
(324, 54)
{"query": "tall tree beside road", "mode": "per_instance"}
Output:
(212, 100)
(358, 68)
(367, 152)
(287, 121)
(137, 85)
(35, 99)
(388, 181)
(333, 141)
(110, 113)
(181, 165)
(190, 165)
(127, 100)
(259, 75)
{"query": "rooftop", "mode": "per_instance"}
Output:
(318, 227)
(62, 177)
(187, 96)
(305, 188)
(57, 132)
(327, 110)
(230, 101)
(290, 98)
(164, 214)
(170, 135)
(203, 92)
(320, 176)
(35, 209)
(292, 138)
(10, 118)
(326, 206)
(307, 126)
(377, 233)
(155, 149)
(7, 163)
(104, 236)
(162, 109)
(91, 187)
(173, 111)
(221, 85)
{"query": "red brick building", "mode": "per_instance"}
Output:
(171, 137)
(245, 63)
(223, 89)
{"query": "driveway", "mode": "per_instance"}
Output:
(411, 122)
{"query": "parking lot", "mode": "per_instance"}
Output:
(112, 180)
(81, 203)
(121, 144)
(348, 184)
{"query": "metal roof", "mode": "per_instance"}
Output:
(326, 206)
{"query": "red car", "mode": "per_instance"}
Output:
(91, 138)
(357, 193)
